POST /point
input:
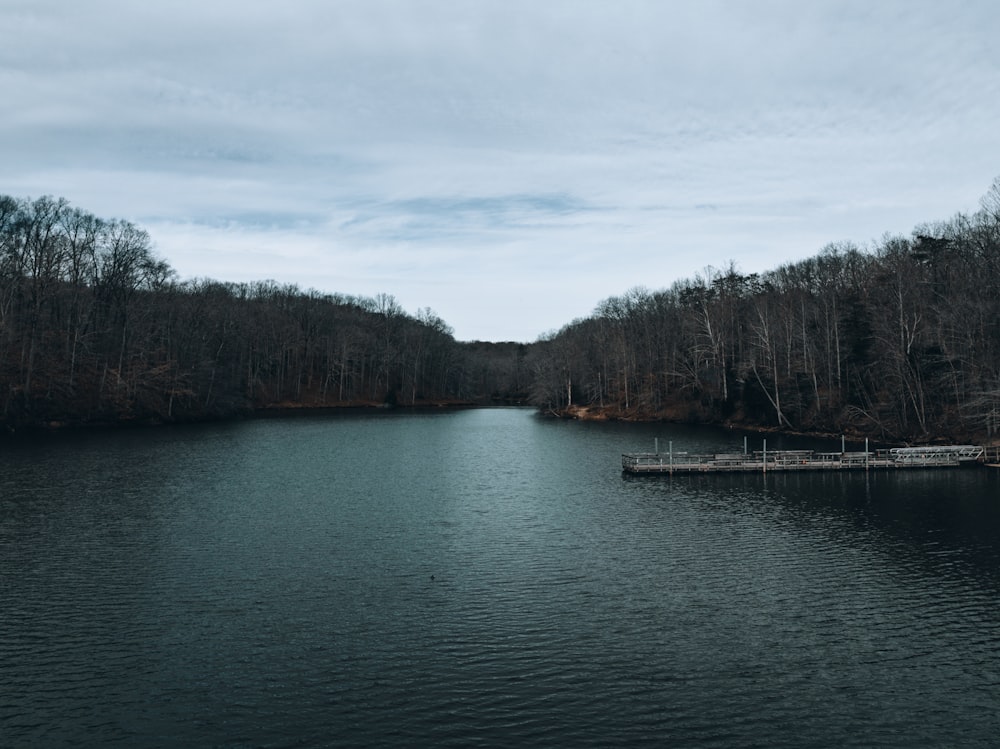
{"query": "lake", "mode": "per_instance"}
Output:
(485, 578)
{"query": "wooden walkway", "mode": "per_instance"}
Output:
(764, 461)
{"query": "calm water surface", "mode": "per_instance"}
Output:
(484, 578)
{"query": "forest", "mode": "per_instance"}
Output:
(898, 341)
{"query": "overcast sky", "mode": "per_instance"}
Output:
(507, 163)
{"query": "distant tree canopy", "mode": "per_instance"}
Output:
(899, 341)
(902, 341)
(95, 328)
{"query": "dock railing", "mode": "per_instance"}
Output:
(936, 455)
(802, 460)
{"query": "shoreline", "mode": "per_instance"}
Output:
(57, 426)
(588, 413)
(573, 413)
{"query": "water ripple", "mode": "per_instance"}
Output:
(298, 583)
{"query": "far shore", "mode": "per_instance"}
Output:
(597, 413)
(577, 413)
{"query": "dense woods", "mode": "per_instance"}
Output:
(900, 340)
(95, 328)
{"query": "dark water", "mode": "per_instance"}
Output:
(484, 578)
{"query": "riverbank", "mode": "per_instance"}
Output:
(677, 416)
(290, 408)
(284, 408)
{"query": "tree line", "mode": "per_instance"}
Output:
(95, 328)
(900, 340)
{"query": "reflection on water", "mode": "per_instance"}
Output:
(484, 577)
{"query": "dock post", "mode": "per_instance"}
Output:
(764, 463)
(744, 445)
(843, 445)
(866, 453)
(656, 445)
(671, 457)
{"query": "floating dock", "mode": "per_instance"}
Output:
(765, 461)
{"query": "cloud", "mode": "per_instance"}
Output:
(469, 156)
(482, 218)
